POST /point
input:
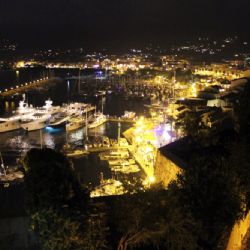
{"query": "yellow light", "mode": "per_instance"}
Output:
(148, 181)
(148, 149)
(151, 179)
(140, 121)
(20, 64)
(138, 139)
(138, 130)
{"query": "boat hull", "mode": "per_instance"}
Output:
(32, 126)
(74, 126)
(9, 126)
(59, 123)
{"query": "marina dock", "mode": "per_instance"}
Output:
(26, 86)
(79, 152)
(120, 119)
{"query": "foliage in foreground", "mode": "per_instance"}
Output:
(153, 218)
(210, 191)
(60, 210)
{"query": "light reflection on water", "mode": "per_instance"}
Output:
(76, 137)
(48, 140)
(20, 141)
(16, 143)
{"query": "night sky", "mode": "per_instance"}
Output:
(119, 23)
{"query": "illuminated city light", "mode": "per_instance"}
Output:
(151, 179)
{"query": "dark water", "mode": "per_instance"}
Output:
(11, 78)
(16, 143)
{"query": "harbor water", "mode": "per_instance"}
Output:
(14, 144)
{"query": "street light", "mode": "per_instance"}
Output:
(151, 179)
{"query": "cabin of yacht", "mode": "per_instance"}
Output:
(14, 122)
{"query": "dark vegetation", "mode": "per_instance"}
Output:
(197, 211)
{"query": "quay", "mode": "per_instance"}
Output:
(147, 168)
(120, 119)
(83, 152)
(25, 86)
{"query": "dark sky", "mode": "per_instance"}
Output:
(119, 23)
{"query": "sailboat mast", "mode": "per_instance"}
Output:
(79, 77)
(102, 104)
(86, 125)
(2, 164)
(119, 134)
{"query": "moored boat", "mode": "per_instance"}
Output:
(98, 120)
(76, 108)
(58, 120)
(9, 124)
(128, 115)
(35, 122)
(75, 123)
(108, 187)
(48, 108)
(14, 122)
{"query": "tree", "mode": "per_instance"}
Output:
(135, 222)
(60, 210)
(240, 164)
(240, 158)
(214, 187)
(50, 179)
(210, 191)
(194, 128)
(152, 218)
(191, 124)
(242, 113)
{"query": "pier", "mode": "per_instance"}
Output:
(120, 119)
(79, 152)
(26, 86)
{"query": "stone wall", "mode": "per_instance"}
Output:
(165, 169)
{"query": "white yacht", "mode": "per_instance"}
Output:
(48, 108)
(128, 115)
(99, 119)
(76, 108)
(40, 117)
(14, 122)
(24, 109)
(9, 124)
(35, 122)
